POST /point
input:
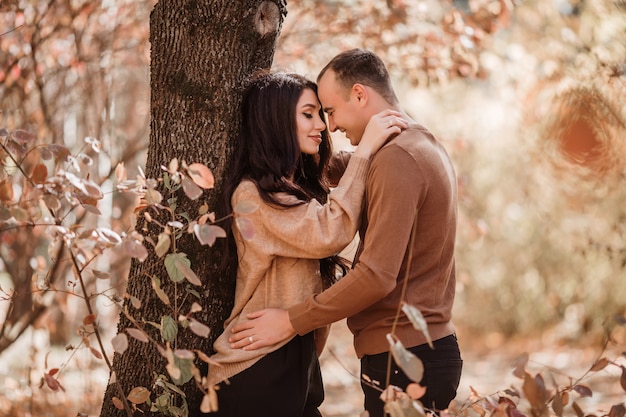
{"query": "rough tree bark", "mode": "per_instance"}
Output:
(201, 51)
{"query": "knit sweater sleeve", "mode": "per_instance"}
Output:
(337, 166)
(309, 229)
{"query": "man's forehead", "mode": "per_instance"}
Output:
(327, 87)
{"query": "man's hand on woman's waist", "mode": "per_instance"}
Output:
(264, 328)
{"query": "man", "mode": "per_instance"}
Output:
(408, 233)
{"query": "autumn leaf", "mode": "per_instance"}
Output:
(85, 186)
(59, 152)
(137, 334)
(118, 403)
(201, 175)
(195, 307)
(245, 226)
(191, 189)
(6, 191)
(153, 197)
(408, 362)
(108, 236)
(135, 249)
(557, 404)
(95, 352)
(245, 207)
(198, 328)
(89, 319)
(22, 137)
(39, 174)
(120, 173)
(520, 365)
(52, 382)
(206, 358)
(156, 286)
(120, 343)
(578, 410)
(415, 391)
(207, 234)
(583, 390)
(209, 401)
(617, 410)
(173, 371)
(163, 244)
(100, 274)
(418, 321)
(138, 395)
(189, 275)
(535, 391)
(136, 302)
(599, 365)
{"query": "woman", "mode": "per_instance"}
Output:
(279, 166)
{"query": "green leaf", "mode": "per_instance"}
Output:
(172, 261)
(169, 328)
(166, 180)
(174, 388)
(193, 292)
(186, 370)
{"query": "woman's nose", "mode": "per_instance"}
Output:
(320, 125)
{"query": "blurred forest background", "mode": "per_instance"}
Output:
(528, 97)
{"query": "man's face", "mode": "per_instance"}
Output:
(342, 108)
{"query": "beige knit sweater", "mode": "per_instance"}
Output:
(279, 265)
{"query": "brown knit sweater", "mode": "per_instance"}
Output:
(411, 188)
(279, 265)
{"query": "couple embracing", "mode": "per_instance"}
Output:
(397, 189)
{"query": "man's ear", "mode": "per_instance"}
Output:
(359, 92)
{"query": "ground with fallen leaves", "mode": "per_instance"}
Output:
(488, 369)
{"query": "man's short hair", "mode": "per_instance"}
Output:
(363, 67)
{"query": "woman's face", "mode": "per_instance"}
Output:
(309, 125)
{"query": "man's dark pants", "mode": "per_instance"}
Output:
(442, 373)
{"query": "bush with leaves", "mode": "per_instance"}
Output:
(44, 186)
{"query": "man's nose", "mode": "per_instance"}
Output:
(331, 125)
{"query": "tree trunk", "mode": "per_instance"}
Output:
(201, 51)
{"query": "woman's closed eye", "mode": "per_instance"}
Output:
(308, 115)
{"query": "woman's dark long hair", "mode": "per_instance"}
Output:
(268, 153)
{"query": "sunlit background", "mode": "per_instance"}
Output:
(528, 98)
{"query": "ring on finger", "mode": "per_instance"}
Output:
(250, 339)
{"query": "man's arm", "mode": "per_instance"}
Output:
(265, 327)
(394, 192)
